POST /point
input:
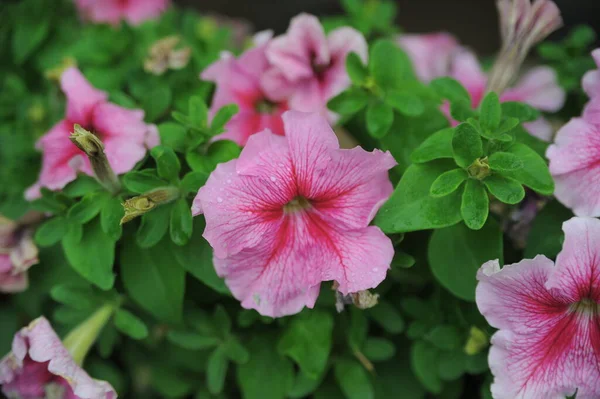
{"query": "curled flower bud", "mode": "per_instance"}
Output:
(477, 341)
(137, 206)
(163, 56)
(94, 149)
(522, 25)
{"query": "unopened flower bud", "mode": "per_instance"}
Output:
(479, 169)
(94, 149)
(137, 206)
(163, 56)
(477, 341)
(522, 25)
(82, 338)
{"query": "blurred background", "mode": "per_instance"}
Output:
(474, 22)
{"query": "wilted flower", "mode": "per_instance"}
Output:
(163, 56)
(294, 211)
(40, 366)
(307, 67)
(522, 25)
(238, 81)
(122, 131)
(114, 11)
(17, 252)
(538, 87)
(141, 204)
(548, 316)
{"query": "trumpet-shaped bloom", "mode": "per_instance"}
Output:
(308, 67)
(294, 211)
(538, 87)
(39, 366)
(548, 316)
(123, 132)
(17, 254)
(114, 11)
(238, 81)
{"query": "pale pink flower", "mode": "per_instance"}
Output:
(548, 316)
(591, 80)
(238, 82)
(294, 211)
(538, 87)
(309, 67)
(114, 11)
(39, 366)
(431, 53)
(17, 253)
(123, 132)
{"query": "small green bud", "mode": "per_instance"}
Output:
(479, 169)
(477, 341)
(137, 206)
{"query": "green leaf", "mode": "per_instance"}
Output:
(236, 351)
(223, 115)
(451, 365)
(91, 254)
(436, 146)
(466, 145)
(110, 218)
(181, 222)
(406, 103)
(198, 113)
(504, 161)
(456, 253)
(448, 182)
(222, 321)
(216, 370)
(411, 208)
(389, 65)
(307, 340)
(143, 181)
(223, 151)
(353, 379)
(475, 204)
(546, 233)
(446, 337)
(379, 349)
(521, 111)
(266, 368)
(31, 30)
(451, 90)
(166, 161)
(380, 117)
(357, 71)
(51, 231)
(81, 186)
(192, 182)
(304, 386)
(88, 207)
(506, 190)
(154, 226)
(461, 110)
(424, 359)
(80, 297)
(157, 102)
(490, 112)
(192, 341)
(173, 135)
(153, 280)
(130, 325)
(349, 102)
(387, 316)
(196, 258)
(534, 173)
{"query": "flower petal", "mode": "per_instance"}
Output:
(82, 97)
(431, 54)
(591, 80)
(538, 88)
(138, 11)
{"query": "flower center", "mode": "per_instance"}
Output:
(299, 203)
(265, 106)
(587, 307)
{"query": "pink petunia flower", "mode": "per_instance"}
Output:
(125, 135)
(308, 67)
(18, 252)
(39, 366)
(294, 211)
(548, 316)
(114, 11)
(591, 80)
(238, 81)
(538, 87)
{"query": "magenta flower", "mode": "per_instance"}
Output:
(114, 11)
(17, 253)
(548, 316)
(538, 87)
(308, 67)
(39, 366)
(294, 211)
(238, 81)
(123, 132)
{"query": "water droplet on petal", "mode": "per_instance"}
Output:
(375, 270)
(273, 178)
(219, 200)
(228, 181)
